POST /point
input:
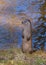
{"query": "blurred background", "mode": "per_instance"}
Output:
(12, 13)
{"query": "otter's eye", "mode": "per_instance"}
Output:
(28, 38)
(22, 36)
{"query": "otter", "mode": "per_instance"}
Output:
(27, 36)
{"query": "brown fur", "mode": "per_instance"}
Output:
(27, 37)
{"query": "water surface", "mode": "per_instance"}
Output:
(21, 9)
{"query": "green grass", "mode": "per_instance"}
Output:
(16, 57)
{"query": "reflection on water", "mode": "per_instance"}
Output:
(30, 8)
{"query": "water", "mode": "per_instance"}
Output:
(19, 8)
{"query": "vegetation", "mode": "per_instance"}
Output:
(16, 57)
(40, 34)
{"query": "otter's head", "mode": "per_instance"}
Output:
(26, 22)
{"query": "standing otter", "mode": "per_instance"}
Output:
(27, 36)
